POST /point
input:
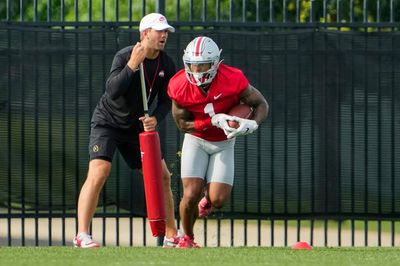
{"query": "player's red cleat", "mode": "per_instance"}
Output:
(83, 240)
(205, 207)
(187, 242)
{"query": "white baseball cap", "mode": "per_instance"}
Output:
(155, 21)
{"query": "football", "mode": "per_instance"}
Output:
(241, 110)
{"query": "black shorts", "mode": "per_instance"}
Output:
(104, 140)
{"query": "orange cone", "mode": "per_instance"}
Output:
(301, 245)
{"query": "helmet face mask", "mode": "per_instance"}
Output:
(201, 50)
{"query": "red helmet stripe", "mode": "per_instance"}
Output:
(197, 49)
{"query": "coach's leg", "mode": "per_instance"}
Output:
(170, 230)
(89, 195)
(192, 192)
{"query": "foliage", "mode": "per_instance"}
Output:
(74, 10)
(189, 10)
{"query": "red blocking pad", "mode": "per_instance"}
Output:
(153, 181)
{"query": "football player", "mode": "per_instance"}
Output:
(202, 94)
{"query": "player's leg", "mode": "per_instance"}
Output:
(218, 194)
(192, 192)
(194, 162)
(220, 177)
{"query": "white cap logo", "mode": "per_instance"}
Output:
(155, 21)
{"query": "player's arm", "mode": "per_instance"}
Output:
(185, 122)
(251, 96)
(183, 118)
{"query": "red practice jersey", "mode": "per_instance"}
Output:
(223, 94)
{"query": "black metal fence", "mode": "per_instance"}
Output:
(323, 168)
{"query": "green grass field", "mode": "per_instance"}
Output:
(204, 256)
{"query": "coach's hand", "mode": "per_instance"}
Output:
(137, 56)
(149, 123)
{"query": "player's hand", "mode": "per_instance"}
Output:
(246, 126)
(221, 121)
(149, 123)
(137, 56)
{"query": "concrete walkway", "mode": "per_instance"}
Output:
(207, 233)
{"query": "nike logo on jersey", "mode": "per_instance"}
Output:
(216, 97)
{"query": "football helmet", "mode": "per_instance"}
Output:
(201, 50)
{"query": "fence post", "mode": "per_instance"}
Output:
(160, 6)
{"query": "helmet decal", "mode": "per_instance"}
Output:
(198, 46)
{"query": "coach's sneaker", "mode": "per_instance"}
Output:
(187, 242)
(83, 240)
(173, 241)
(205, 207)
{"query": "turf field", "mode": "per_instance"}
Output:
(205, 256)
